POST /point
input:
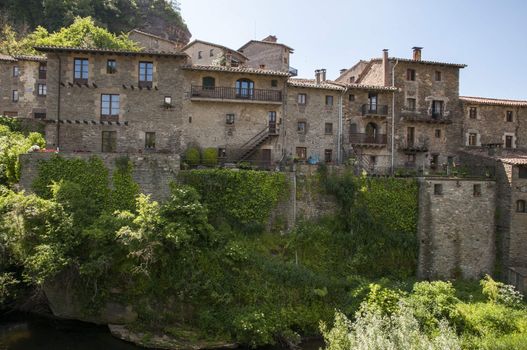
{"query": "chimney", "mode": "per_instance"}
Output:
(317, 76)
(270, 39)
(386, 67)
(417, 53)
(342, 71)
(322, 75)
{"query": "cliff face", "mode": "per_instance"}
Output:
(166, 29)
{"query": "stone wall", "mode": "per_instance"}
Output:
(153, 172)
(272, 56)
(152, 42)
(456, 228)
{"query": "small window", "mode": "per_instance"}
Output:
(274, 83)
(40, 115)
(16, 71)
(352, 79)
(410, 104)
(411, 158)
(211, 53)
(522, 172)
(328, 128)
(42, 70)
(222, 153)
(437, 108)
(351, 97)
(410, 74)
(42, 90)
(262, 66)
(229, 119)
(508, 141)
(438, 133)
(473, 113)
(168, 100)
(146, 74)
(472, 139)
(434, 161)
(200, 55)
(302, 99)
(373, 160)
(80, 72)
(285, 60)
(14, 96)
(109, 141)
(438, 189)
(301, 153)
(208, 82)
(150, 140)
(190, 120)
(438, 75)
(111, 66)
(477, 190)
(110, 106)
(329, 100)
(520, 206)
(510, 117)
(328, 156)
(301, 127)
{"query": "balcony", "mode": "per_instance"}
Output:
(414, 146)
(424, 116)
(373, 110)
(368, 140)
(205, 93)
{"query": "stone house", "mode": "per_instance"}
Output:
(24, 86)
(151, 42)
(204, 53)
(268, 54)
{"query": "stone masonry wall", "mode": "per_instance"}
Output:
(456, 228)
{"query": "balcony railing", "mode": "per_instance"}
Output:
(377, 139)
(371, 109)
(411, 113)
(231, 93)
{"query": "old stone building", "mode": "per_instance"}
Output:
(209, 54)
(23, 87)
(268, 54)
(151, 42)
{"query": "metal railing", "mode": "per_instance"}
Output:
(360, 138)
(232, 93)
(413, 114)
(374, 109)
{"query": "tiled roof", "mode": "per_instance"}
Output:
(372, 87)
(311, 83)
(291, 50)
(400, 59)
(31, 58)
(520, 160)
(109, 51)
(493, 101)
(243, 70)
(215, 45)
(7, 58)
(514, 156)
(153, 36)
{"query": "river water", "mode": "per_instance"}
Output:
(27, 332)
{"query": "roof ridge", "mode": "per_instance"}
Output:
(212, 44)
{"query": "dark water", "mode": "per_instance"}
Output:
(27, 332)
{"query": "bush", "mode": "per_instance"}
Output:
(210, 157)
(498, 292)
(192, 156)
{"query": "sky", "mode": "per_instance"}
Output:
(489, 36)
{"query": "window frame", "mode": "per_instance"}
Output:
(328, 131)
(301, 130)
(435, 104)
(206, 82)
(521, 206)
(16, 71)
(329, 100)
(411, 104)
(509, 141)
(111, 66)
(15, 96)
(146, 74)
(230, 118)
(509, 116)
(42, 70)
(244, 88)
(522, 172)
(82, 74)
(111, 140)
(475, 138)
(438, 189)
(301, 99)
(112, 98)
(42, 89)
(301, 153)
(39, 115)
(150, 140)
(410, 74)
(473, 112)
(476, 190)
(437, 133)
(328, 156)
(438, 75)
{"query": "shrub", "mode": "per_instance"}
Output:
(192, 156)
(210, 157)
(498, 292)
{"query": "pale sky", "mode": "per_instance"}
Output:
(489, 36)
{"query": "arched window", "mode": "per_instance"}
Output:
(371, 132)
(520, 206)
(208, 82)
(244, 88)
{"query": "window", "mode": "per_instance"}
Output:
(328, 128)
(39, 115)
(508, 141)
(285, 60)
(410, 136)
(438, 133)
(329, 100)
(301, 153)
(222, 153)
(372, 101)
(477, 190)
(328, 155)
(150, 140)
(109, 106)
(274, 83)
(80, 73)
(434, 161)
(14, 96)
(302, 98)
(244, 88)
(208, 82)
(522, 172)
(438, 75)
(229, 119)
(438, 189)
(472, 139)
(410, 104)
(473, 113)
(301, 127)
(352, 79)
(410, 74)
(211, 53)
(351, 97)
(437, 108)
(42, 70)
(16, 71)
(410, 159)
(146, 74)
(510, 117)
(373, 160)
(168, 100)
(42, 90)
(200, 55)
(520, 206)
(109, 141)
(111, 66)
(262, 66)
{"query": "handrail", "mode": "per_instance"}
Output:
(264, 131)
(233, 93)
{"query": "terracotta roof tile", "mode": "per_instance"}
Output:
(108, 51)
(7, 58)
(311, 83)
(400, 59)
(243, 70)
(31, 58)
(291, 50)
(493, 101)
(215, 45)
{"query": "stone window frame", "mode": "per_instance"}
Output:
(468, 135)
(434, 161)
(109, 141)
(438, 75)
(509, 116)
(274, 83)
(167, 100)
(521, 206)
(329, 101)
(230, 118)
(211, 53)
(473, 113)
(411, 104)
(146, 73)
(16, 71)
(328, 128)
(301, 127)
(81, 69)
(301, 153)
(435, 111)
(438, 189)
(410, 74)
(522, 172)
(476, 190)
(111, 66)
(513, 140)
(301, 99)
(328, 155)
(222, 153)
(200, 55)
(373, 159)
(42, 90)
(351, 97)
(15, 96)
(42, 70)
(437, 133)
(150, 140)
(113, 105)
